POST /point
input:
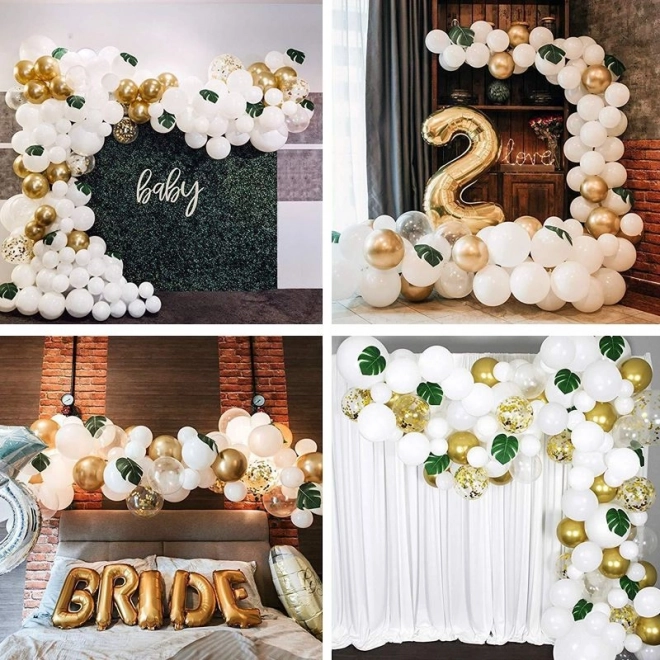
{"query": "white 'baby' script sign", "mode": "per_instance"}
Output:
(169, 190)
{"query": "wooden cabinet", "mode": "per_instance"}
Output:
(540, 195)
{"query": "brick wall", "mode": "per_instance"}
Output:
(91, 377)
(642, 160)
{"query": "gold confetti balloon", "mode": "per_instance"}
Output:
(626, 616)
(223, 65)
(515, 414)
(647, 410)
(17, 249)
(79, 164)
(260, 477)
(471, 482)
(295, 90)
(125, 131)
(637, 494)
(412, 413)
(354, 401)
(563, 562)
(144, 502)
(560, 447)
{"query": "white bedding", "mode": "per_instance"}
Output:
(277, 638)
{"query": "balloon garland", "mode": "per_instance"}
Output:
(249, 454)
(456, 248)
(67, 104)
(585, 402)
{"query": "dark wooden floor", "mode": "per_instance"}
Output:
(447, 651)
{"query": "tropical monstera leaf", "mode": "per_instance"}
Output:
(309, 496)
(618, 521)
(552, 53)
(461, 36)
(35, 150)
(130, 471)
(504, 448)
(612, 347)
(436, 464)
(59, 53)
(630, 587)
(614, 65)
(431, 393)
(95, 422)
(8, 290)
(429, 254)
(209, 95)
(167, 119)
(567, 381)
(209, 442)
(296, 55)
(335, 236)
(371, 362)
(562, 233)
(626, 194)
(255, 109)
(40, 462)
(307, 104)
(130, 59)
(581, 609)
(76, 102)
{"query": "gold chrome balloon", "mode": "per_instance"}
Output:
(150, 600)
(501, 65)
(46, 68)
(594, 189)
(470, 253)
(126, 91)
(78, 240)
(383, 249)
(138, 111)
(45, 430)
(529, 223)
(650, 577)
(412, 413)
(285, 75)
(45, 215)
(258, 68)
(415, 293)
(602, 221)
(227, 595)
(58, 172)
(151, 90)
(482, 371)
(571, 532)
(604, 493)
(442, 197)
(230, 465)
(460, 443)
(430, 478)
(203, 613)
(560, 447)
(168, 79)
(312, 466)
(164, 445)
(265, 80)
(633, 239)
(88, 473)
(637, 494)
(638, 371)
(35, 186)
(178, 599)
(596, 78)
(33, 231)
(286, 434)
(36, 91)
(518, 33)
(648, 630)
(59, 89)
(119, 595)
(83, 598)
(23, 71)
(613, 566)
(19, 167)
(502, 480)
(602, 414)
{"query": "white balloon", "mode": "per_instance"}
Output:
(402, 376)
(348, 363)
(376, 422)
(497, 41)
(413, 448)
(647, 602)
(587, 556)
(524, 55)
(380, 288)
(602, 381)
(552, 418)
(436, 363)
(530, 283)
(508, 244)
(570, 281)
(458, 384)
(491, 285)
(579, 504)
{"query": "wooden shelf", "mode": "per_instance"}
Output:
(520, 108)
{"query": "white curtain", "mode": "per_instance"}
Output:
(347, 109)
(412, 563)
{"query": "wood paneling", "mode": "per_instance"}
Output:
(539, 195)
(303, 358)
(21, 361)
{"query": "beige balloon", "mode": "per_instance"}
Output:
(470, 253)
(384, 249)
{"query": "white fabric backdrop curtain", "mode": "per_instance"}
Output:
(412, 563)
(349, 45)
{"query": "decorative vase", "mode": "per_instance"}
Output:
(498, 92)
(549, 22)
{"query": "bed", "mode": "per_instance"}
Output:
(113, 535)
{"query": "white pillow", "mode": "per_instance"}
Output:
(61, 568)
(168, 566)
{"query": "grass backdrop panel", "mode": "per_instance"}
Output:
(229, 242)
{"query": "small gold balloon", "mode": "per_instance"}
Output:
(571, 532)
(88, 473)
(258, 68)
(354, 401)
(560, 447)
(637, 494)
(415, 293)
(650, 577)
(596, 78)
(138, 111)
(603, 414)
(604, 493)
(58, 172)
(128, 429)
(168, 79)
(45, 430)
(125, 131)
(384, 249)
(613, 566)
(430, 478)
(59, 89)
(126, 91)
(23, 71)
(36, 91)
(515, 414)
(230, 465)
(626, 616)
(412, 413)
(265, 80)
(638, 371)
(151, 90)
(78, 240)
(529, 223)
(165, 445)
(594, 189)
(45, 215)
(518, 33)
(648, 630)
(501, 65)
(285, 75)
(470, 253)
(502, 480)
(482, 371)
(312, 466)
(46, 68)
(393, 399)
(287, 435)
(471, 482)
(633, 239)
(19, 168)
(33, 231)
(35, 186)
(460, 443)
(602, 221)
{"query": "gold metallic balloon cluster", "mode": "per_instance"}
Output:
(285, 79)
(42, 80)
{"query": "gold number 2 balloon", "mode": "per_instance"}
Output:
(442, 197)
